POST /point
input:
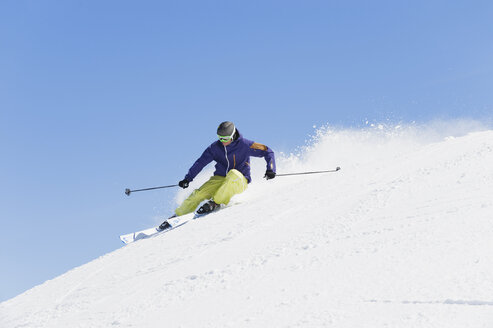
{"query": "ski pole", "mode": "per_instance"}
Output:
(128, 191)
(301, 173)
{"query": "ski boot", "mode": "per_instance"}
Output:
(165, 225)
(207, 207)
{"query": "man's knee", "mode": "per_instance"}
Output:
(234, 173)
(236, 177)
(235, 183)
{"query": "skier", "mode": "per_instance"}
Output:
(232, 175)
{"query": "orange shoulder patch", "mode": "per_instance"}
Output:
(258, 146)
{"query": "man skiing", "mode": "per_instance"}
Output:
(232, 175)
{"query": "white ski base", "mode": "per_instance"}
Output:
(174, 222)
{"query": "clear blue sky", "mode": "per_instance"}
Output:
(97, 96)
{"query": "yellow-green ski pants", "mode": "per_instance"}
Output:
(218, 188)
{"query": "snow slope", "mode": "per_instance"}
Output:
(400, 237)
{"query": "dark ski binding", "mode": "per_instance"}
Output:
(165, 225)
(207, 207)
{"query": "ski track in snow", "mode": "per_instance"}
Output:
(398, 239)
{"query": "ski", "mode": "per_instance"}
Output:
(175, 222)
(150, 232)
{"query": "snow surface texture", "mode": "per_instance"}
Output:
(400, 237)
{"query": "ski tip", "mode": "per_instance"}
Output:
(125, 241)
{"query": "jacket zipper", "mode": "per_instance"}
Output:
(226, 152)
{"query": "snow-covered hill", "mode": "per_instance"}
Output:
(400, 237)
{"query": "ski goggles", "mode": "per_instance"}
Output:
(226, 138)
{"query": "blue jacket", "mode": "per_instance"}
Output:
(234, 156)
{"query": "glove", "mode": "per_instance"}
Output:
(184, 183)
(269, 174)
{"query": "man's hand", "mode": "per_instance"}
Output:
(184, 183)
(269, 174)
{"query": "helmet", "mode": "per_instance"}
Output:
(226, 129)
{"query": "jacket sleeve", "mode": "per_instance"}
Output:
(259, 150)
(199, 164)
